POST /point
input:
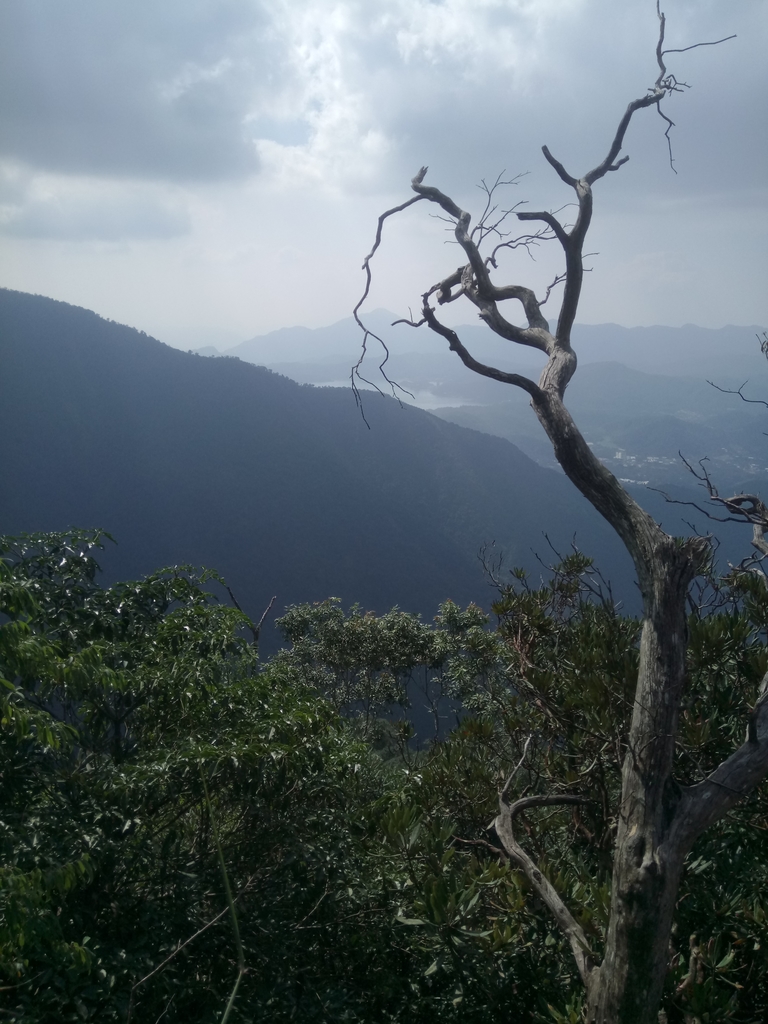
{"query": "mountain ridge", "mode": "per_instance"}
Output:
(280, 486)
(673, 351)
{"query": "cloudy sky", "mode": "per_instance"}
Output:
(207, 170)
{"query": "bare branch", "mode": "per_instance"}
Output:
(706, 802)
(664, 84)
(670, 126)
(530, 304)
(355, 374)
(469, 361)
(567, 923)
(692, 504)
(516, 769)
(660, 44)
(377, 241)
(740, 508)
(436, 196)
(558, 279)
(550, 220)
(484, 843)
(476, 284)
(264, 615)
(685, 49)
(520, 242)
(739, 391)
(483, 228)
(752, 510)
(610, 163)
(618, 164)
(444, 288)
(255, 630)
(409, 322)
(561, 171)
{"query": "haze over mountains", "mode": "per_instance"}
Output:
(641, 395)
(283, 488)
(279, 486)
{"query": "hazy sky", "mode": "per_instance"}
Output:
(207, 170)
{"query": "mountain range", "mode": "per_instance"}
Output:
(282, 487)
(641, 395)
(288, 490)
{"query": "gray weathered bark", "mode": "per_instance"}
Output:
(658, 820)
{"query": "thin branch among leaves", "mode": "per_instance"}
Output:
(503, 826)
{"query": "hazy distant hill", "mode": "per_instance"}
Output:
(641, 394)
(323, 344)
(726, 353)
(638, 423)
(279, 486)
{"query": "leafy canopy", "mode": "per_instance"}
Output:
(367, 883)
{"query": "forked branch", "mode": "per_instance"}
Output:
(355, 374)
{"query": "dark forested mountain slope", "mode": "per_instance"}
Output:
(281, 487)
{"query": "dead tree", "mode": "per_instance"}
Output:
(658, 819)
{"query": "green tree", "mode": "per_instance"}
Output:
(121, 706)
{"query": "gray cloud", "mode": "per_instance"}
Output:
(141, 88)
(464, 114)
(183, 89)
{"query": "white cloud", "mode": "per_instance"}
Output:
(320, 88)
(143, 88)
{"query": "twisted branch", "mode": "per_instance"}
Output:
(473, 280)
(355, 374)
(739, 508)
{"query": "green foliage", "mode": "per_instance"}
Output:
(156, 777)
(359, 661)
(115, 699)
(721, 968)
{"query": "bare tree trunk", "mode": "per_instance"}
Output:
(646, 871)
(647, 866)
